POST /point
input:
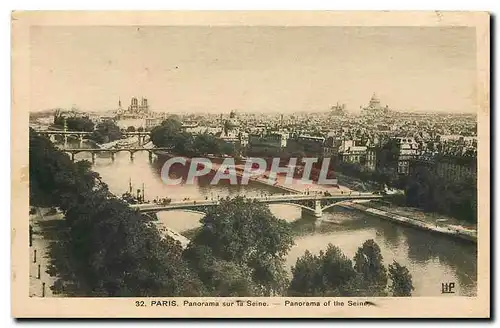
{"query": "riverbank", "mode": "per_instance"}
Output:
(166, 231)
(450, 230)
(420, 214)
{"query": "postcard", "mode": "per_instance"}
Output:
(206, 164)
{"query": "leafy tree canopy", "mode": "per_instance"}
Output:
(245, 232)
(402, 284)
(368, 262)
(331, 273)
(106, 131)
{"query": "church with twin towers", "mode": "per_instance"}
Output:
(135, 106)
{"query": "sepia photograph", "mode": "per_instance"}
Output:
(276, 165)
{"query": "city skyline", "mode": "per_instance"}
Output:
(254, 69)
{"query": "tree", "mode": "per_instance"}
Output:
(387, 156)
(231, 279)
(337, 268)
(402, 284)
(245, 232)
(368, 263)
(54, 178)
(131, 129)
(328, 274)
(105, 248)
(106, 131)
(183, 144)
(206, 144)
(425, 189)
(306, 280)
(73, 123)
(164, 134)
(227, 148)
(220, 277)
(117, 253)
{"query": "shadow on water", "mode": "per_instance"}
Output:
(424, 248)
(459, 255)
(390, 232)
(334, 220)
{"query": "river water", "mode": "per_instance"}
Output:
(432, 259)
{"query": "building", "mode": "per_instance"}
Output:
(136, 108)
(151, 122)
(448, 167)
(274, 142)
(243, 136)
(456, 168)
(310, 145)
(338, 109)
(349, 152)
(408, 150)
(371, 158)
(374, 107)
(233, 120)
(330, 151)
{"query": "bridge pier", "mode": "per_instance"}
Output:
(150, 155)
(81, 140)
(112, 156)
(72, 157)
(318, 211)
(65, 141)
(93, 158)
(131, 156)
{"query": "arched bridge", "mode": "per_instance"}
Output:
(112, 151)
(314, 204)
(80, 134)
(85, 133)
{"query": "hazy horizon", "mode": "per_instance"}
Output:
(254, 69)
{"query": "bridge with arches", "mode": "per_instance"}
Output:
(112, 151)
(51, 134)
(310, 204)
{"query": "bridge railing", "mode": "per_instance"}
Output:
(201, 202)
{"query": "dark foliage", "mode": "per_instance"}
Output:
(430, 192)
(74, 123)
(105, 248)
(105, 132)
(331, 273)
(170, 134)
(247, 234)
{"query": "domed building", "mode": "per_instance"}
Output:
(374, 106)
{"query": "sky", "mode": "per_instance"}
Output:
(253, 69)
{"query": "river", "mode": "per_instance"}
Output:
(432, 259)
